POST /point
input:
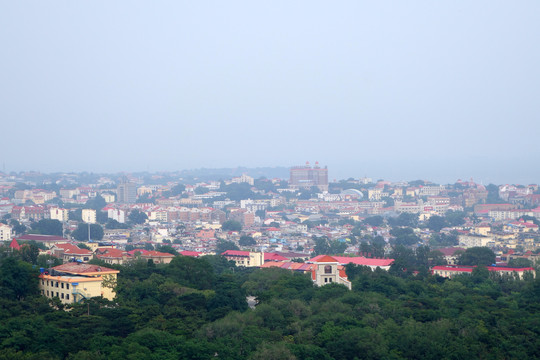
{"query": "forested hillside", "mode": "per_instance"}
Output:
(196, 309)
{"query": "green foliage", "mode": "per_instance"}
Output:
(113, 224)
(404, 219)
(477, 256)
(196, 309)
(455, 218)
(246, 240)
(325, 246)
(47, 227)
(17, 227)
(443, 240)
(17, 279)
(520, 262)
(493, 195)
(96, 203)
(81, 233)
(374, 220)
(224, 245)
(436, 223)
(137, 217)
(167, 249)
(404, 236)
(231, 225)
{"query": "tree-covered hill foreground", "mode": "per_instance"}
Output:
(196, 309)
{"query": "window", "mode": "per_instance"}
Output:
(67, 286)
(47, 282)
(57, 294)
(67, 296)
(47, 292)
(42, 282)
(328, 269)
(62, 295)
(325, 280)
(57, 284)
(62, 285)
(330, 279)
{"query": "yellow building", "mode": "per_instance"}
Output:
(244, 258)
(73, 282)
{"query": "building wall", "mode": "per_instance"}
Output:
(5, 232)
(89, 216)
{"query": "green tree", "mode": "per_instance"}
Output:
(404, 219)
(477, 256)
(81, 233)
(96, 203)
(404, 236)
(436, 223)
(231, 225)
(137, 217)
(224, 245)
(17, 279)
(29, 253)
(47, 227)
(113, 224)
(374, 220)
(167, 249)
(17, 227)
(246, 240)
(520, 262)
(455, 218)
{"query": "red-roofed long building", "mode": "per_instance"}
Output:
(453, 270)
(359, 260)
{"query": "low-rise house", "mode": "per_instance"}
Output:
(157, 257)
(69, 252)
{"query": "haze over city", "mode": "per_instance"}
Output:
(394, 90)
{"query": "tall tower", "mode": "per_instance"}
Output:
(126, 191)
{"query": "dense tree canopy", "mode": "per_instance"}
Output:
(48, 227)
(476, 256)
(195, 308)
(231, 225)
(81, 233)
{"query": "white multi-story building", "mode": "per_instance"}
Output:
(89, 216)
(5, 232)
(59, 214)
(117, 214)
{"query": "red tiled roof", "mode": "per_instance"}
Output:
(274, 257)
(324, 258)
(14, 244)
(190, 253)
(358, 260)
(72, 249)
(156, 254)
(82, 269)
(235, 253)
(37, 237)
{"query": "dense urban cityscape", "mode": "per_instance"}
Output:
(222, 242)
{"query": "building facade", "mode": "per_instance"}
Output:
(306, 176)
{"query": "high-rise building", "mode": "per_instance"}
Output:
(127, 192)
(307, 176)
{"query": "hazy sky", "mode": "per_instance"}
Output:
(400, 90)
